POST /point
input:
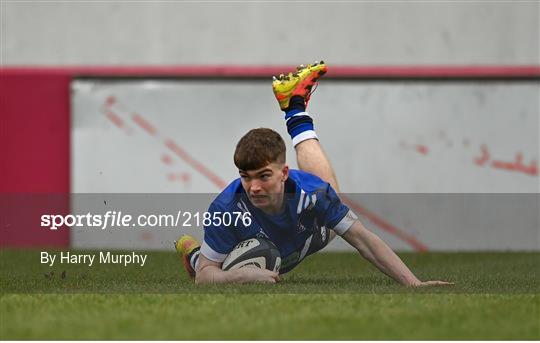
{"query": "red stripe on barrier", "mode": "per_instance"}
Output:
(216, 180)
(246, 71)
(391, 229)
(115, 119)
(146, 126)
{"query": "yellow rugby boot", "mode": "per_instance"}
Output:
(300, 83)
(185, 246)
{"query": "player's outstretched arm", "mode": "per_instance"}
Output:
(376, 251)
(211, 272)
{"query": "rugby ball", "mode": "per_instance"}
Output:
(258, 252)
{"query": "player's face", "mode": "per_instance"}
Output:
(265, 186)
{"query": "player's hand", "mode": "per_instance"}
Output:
(431, 284)
(255, 274)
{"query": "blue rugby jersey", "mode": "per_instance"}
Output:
(310, 205)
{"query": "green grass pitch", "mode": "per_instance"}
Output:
(331, 296)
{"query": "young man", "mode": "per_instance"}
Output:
(298, 210)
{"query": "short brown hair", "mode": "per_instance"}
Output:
(259, 147)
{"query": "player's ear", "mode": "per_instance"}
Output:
(284, 173)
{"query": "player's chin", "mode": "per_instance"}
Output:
(260, 201)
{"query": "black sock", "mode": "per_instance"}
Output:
(297, 104)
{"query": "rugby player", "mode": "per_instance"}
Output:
(298, 210)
